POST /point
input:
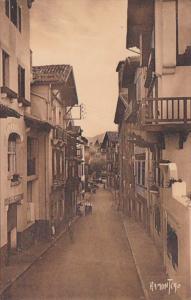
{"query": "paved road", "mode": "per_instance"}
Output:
(97, 265)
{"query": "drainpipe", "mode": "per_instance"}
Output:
(189, 259)
(49, 101)
(45, 169)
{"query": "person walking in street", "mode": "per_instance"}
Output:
(83, 194)
(70, 231)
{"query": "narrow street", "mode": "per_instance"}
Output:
(97, 264)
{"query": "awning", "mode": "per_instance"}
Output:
(32, 121)
(6, 112)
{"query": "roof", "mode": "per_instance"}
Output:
(51, 73)
(74, 130)
(6, 112)
(61, 75)
(111, 136)
(120, 64)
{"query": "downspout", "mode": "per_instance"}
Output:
(189, 234)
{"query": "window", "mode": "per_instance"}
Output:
(13, 8)
(140, 170)
(19, 19)
(29, 191)
(172, 246)
(13, 12)
(12, 153)
(58, 164)
(21, 82)
(143, 172)
(32, 147)
(139, 173)
(5, 68)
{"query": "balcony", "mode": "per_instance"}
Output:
(173, 113)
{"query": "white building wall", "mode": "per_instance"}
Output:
(16, 45)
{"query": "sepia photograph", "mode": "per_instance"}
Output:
(95, 149)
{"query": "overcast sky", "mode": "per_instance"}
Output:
(90, 35)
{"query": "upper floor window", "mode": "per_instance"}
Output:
(58, 164)
(140, 170)
(13, 12)
(32, 149)
(13, 154)
(5, 68)
(21, 82)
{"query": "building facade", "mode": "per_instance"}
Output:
(53, 95)
(154, 127)
(36, 142)
(15, 73)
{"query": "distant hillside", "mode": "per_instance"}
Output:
(98, 137)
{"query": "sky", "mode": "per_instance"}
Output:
(90, 35)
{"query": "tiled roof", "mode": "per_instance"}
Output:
(51, 73)
(111, 136)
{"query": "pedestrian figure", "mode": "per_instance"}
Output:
(88, 208)
(83, 194)
(70, 232)
(53, 231)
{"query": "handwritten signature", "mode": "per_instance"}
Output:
(169, 286)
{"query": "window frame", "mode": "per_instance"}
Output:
(5, 68)
(14, 12)
(21, 82)
(12, 155)
(140, 166)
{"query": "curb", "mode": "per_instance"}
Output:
(50, 245)
(146, 294)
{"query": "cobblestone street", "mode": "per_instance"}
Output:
(97, 264)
